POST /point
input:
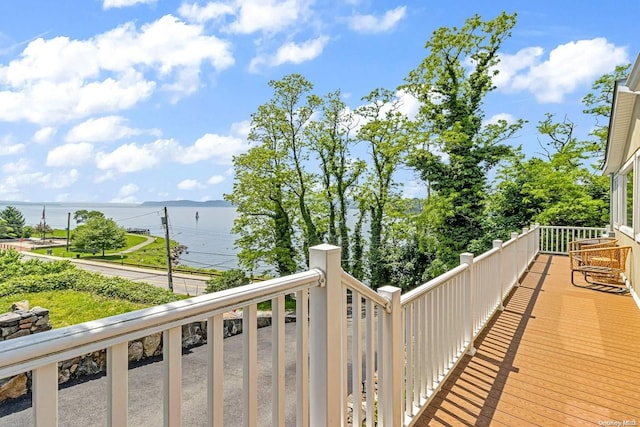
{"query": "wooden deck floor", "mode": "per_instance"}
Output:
(557, 355)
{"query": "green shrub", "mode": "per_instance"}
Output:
(227, 279)
(17, 276)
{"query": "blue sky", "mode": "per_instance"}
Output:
(137, 100)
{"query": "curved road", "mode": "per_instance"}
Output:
(187, 284)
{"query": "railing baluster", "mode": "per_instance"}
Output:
(417, 334)
(45, 395)
(423, 347)
(250, 363)
(356, 356)
(345, 355)
(408, 328)
(302, 358)
(278, 355)
(118, 385)
(370, 362)
(215, 371)
(172, 370)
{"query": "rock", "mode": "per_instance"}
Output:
(136, 350)
(20, 333)
(20, 305)
(63, 376)
(39, 311)
(15, 387)
(151, 343)
(9, 319)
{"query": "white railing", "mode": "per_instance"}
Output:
(387, 353)
(554, 239)
(40, 353)
(444, 316)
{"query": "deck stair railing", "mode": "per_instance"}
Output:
(362, 357)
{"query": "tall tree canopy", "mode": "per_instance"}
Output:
(461, 151)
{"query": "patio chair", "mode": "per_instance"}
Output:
(595, 242)
(601, 267)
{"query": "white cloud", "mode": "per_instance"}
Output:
(201, 14)
(126, 194)
(270, 16)
(128, 189)
(409, 104)
(189, 184)
(127, 158)
(44, 135)
(211, 146)
(493, 120)
(290, 52)
(60, 179)
(70, 155)
(375, 24)
(19, 167)
(108, 128)
(215, 179)
(61, 79)
(569, 66)
(108, 4)
(8, 147)
(297, 53)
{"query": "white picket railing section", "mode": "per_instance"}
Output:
(385, 352)
(444, 316)
(555, 239)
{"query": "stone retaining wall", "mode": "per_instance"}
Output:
(24, 322)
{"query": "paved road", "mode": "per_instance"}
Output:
(84, 404)
(182, 283)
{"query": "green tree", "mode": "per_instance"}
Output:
(83, 215)
(386, 133)
(15, 220)
(227, 279)
(556, 187)
(598, 104)
(331, 139)
(42, 229)
(451, 84)
(5, 230)
(99, 233)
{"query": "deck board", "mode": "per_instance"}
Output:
(557, 355)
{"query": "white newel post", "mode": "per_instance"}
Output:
(467, 258)
(391, 381)
(525, 235)
(498, 244)
(325, 352)
(516, 265)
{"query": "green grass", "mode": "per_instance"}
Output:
(153, 255)
(289, 305)
(72, 307)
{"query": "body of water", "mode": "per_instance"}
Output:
(208, 239)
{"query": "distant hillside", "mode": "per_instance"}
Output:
(189, 203)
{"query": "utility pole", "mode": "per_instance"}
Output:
(165, 219)
(68, 228)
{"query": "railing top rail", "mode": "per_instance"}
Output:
(38, 345)
(366, 291)
(486, 255)
(432, 284)
(569, 227)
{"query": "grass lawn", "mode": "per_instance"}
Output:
(72, 307)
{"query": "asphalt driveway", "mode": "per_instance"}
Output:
(84, 404)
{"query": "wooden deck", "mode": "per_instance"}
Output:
(557, 355)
